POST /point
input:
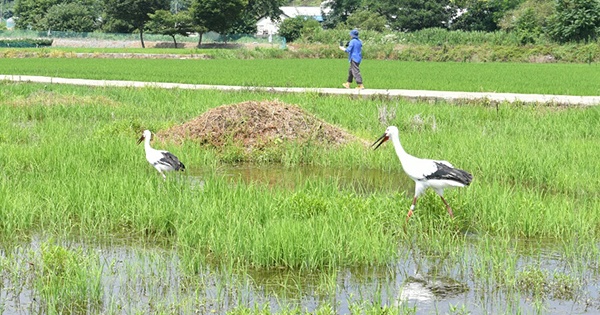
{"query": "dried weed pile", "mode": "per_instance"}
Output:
(254, 125)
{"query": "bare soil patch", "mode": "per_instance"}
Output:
(255, 125)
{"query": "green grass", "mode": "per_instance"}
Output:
(533, 168)
(70, 167)
(568, 79)
(68, 280)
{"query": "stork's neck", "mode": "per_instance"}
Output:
(399, 149)
(147, 146)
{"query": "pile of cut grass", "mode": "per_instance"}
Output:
(257, 124)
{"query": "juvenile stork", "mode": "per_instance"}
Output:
(426, 173)
(161, 160)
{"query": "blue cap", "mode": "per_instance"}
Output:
(354, 33)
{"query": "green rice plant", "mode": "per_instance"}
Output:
(17, 277)
(326, 73)
(67, 281)
(282, 225)
(364, 308)
(70, 166)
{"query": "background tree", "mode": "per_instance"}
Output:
(180, 5)
(135, 12)
(413, 15)
(366, 20)
(216, 15)
(340, 11)
(528, 20)
(575, 20)
(265, 8)
(32, 13)
(245, 24)
(477, 15)
(70, 17)
(293, 28)
(111, 25)
(6, 9)
(483, 15)
(171, 24)
(254, 11)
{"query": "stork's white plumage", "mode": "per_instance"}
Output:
(426, 173)
(161, 160)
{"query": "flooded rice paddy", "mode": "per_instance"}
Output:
(137, 279)
(142, 278)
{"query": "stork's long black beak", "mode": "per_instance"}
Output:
(381, 140)
(140, 139)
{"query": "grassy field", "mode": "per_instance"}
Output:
(70, 168)
(567, 79)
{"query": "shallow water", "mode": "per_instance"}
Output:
(138, 278)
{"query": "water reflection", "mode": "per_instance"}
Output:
(426, 287)
(142, 279)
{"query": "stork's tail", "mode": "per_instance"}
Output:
(462, 176)
(447, 172)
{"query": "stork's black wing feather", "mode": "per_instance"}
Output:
(450, 173)
(172, 160)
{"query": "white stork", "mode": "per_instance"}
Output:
(426, 173)
(161, 160)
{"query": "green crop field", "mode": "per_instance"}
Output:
(567, 79)
(87, 225)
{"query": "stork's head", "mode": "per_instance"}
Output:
(146, 134)
(391, 131)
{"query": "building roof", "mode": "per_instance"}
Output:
(293, 12)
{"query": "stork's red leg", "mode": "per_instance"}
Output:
(447, 207)
(412, 207)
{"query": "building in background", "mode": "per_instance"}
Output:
(266, 26)
(10, 23)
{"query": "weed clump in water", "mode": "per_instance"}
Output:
(539, 284)
(68, 281)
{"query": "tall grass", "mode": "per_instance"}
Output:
(70, 168)
(444, 52)
(70, 165)
(431, 36)
(68, 281)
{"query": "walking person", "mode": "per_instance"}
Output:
(354, 51)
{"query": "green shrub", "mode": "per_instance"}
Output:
(366, 20)
(25, 42)
(575, 21)
(293, 28)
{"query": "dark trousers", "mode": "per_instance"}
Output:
(354, 72)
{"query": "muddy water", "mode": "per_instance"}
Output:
(137, 279)
(140, 279)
